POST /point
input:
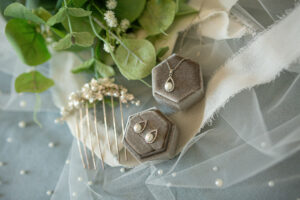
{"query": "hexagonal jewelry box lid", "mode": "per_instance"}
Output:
(162, 140)
(187, 79)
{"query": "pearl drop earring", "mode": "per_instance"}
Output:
(140, 126)
(151, 136)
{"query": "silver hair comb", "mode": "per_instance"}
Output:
(79, 104)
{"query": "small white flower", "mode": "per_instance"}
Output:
(111, 4)
(107, 47)
(110, 19)
(125, 23)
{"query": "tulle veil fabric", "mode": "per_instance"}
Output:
(253, 131)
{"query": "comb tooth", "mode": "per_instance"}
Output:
(114, 124)
(84, 142)
(90, 133)
(78, 142)
(122, 123)
(105, 123)
(97, 135)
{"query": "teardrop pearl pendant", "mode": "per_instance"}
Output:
(151, 136)
(140, 126)
(169, 84)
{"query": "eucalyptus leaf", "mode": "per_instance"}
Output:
(28, 43)
(79, 3)
(58, 17)
(19, 11)
(184, 9)
(58, 32)
(33, 4)
(80, 24)
(32, 81)
(78, 12)
(85, 66)
(104, 70)
(161, 51)
(64, 43)
(129, 9)
(83, 39)
(130, 66)
(158, 16)
(58, 4)
(42, 13)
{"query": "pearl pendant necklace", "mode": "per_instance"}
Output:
(170, 84)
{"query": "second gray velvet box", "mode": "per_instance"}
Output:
(188, 83)
(151, 120)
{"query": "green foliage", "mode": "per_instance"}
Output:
(27, 42)
(78, 12)
(158, 16)
(58, 17)
(33, 4)
(103, 69)
(71, 27)
(32, 81)
(64, 43)
(85, 66)
(162, 51)
(130, 9)
(17, 10)
(182, 8)
(82, 39)
(3, 5)
(58, 32)
(42, 13)
(132, 67)
(77, 18)
(80, 24)
(79, 3)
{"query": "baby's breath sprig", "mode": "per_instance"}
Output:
(110, 19)
(111, 4)
(96, 90)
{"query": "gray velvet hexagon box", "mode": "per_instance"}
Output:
(188, 83)
(165, 143)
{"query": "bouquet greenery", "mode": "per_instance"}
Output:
(108, 28)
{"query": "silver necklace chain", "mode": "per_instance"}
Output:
(177, 66)
(169, 83)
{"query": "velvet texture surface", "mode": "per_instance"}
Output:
(188, 83)
(164, 145)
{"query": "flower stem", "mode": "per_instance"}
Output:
(94, 30)
(97, 8)
(68, 18)
(37, 107)
(118, 39)
(147, 84)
